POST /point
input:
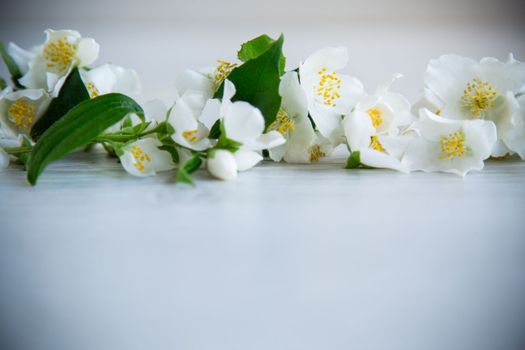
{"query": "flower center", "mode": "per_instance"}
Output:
(140, 158)
(328, 87)
(92, 89)
(375, 144)
(452, 146)
(22, 113)
(222, 71)
(283, 123)
(375, 116)
(478, 97)
(59, 55)
(190, 135)
(316, 153)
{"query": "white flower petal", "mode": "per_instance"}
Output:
(294, 100)
(299, 142)
(194, 81)
(243, 123)
(358, 130)
(87, 51)
(246, 159)
(376, 159)
(269, 140)
(20, 56)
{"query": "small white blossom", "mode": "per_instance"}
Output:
(47, 66)
(376, 127)
(19, 110)
(330, 94)
(144, 158)
(453, 146)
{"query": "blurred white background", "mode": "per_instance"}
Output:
(160, 38)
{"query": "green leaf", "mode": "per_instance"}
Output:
(353, 161)
(256, 47)
(11, 65)
(72, 93)
(225, 142)
(77, 128)
(3, 84)
(190, 166)
(257, 81)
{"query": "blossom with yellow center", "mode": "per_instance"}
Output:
(140, 158)
(22, 112)
(283, 123)
(59, 54)
(223, 69)
(328, 87)
(316, 153)
(452, 145)
(478, 97)
(375, 116)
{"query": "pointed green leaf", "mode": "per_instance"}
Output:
(257, 81)
(80, 126)
(256, 47)
(72, 93)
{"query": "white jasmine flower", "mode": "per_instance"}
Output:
(375, 126)
(330, 94)
(51, 62)
(244, 124)
(222, 165)
(206, 80)
(185, 117)
(19, 110)
(110, 78)
(462, 88)
(144, 158)
(453, 146)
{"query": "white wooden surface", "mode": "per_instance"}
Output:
(287, 257)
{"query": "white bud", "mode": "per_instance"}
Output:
(222, 165)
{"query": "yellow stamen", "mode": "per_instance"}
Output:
(375, 144)
(92, 89)
(452, 145)
(283, 123)
(224, 68)
(375, 116)
(59, 54)
(190, 135)
(478, 97)
(22, 113)
(316, 153)
(140, 158)
(328, 87)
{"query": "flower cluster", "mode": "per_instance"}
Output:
(229, 117)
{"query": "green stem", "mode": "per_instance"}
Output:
(18, 150)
